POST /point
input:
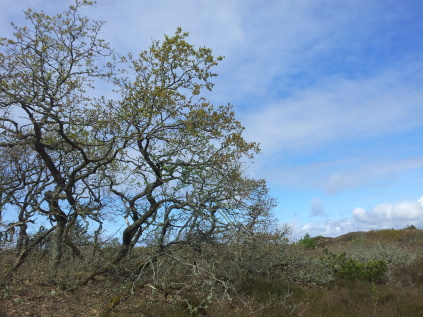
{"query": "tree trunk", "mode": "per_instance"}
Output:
(127, 235)
(56, 250)
(23, 239)
(27, 250)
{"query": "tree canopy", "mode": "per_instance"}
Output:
(157, 153)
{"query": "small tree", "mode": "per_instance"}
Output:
(307, 242)
(45, 109)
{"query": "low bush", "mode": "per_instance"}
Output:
(349, 268)
(256, 277)
(307, 242)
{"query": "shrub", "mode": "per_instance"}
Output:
(386, 235)
(410, 227)
(349, 268)
(307, 242)
(393, 253)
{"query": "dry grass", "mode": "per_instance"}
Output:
(297, 283)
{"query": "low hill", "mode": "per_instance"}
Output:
(407, 235)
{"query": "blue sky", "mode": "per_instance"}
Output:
(332, 90)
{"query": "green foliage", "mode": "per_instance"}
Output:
(357, 242)
(348, 268)
(307, 242)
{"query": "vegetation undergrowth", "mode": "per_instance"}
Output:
(279, 280)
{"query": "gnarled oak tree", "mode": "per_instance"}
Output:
(158, 154)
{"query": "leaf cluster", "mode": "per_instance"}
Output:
(348, 268)
(307, 242)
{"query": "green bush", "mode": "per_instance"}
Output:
(307, 242)
(349, 268)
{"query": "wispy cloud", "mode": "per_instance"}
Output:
(316, 207)
(370, 173)
(342, 133)
(340, 110)
(334, 176)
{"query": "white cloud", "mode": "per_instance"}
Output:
(382, 216)
(215, 24)
(328, 228)
(398, 214)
